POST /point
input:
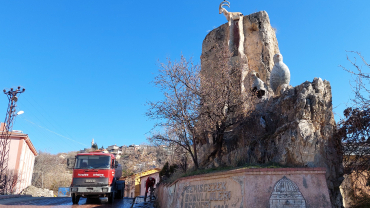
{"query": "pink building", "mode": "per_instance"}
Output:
(22, 155)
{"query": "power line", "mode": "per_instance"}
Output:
(43, 135)
(42, 109)
(56, 133)
(39, 113)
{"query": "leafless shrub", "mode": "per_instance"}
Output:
(177, 113)
(50, 171)
(11, 178)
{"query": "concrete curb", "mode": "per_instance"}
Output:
(13, 196)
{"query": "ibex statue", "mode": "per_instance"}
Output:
(229, 15)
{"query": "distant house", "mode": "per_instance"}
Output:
(151, 148)
(114, 149)
(123, 149)
(131, 149)
(22, 155)
(168, 150)
(85, 150)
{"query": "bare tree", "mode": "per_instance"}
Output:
(354, 131)
(223, 102)
(199, 106)
(50, 171)
(177, 113)
(361, 78)
(180, 157)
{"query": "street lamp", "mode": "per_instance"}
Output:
(5, 135)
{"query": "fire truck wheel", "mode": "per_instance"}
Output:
(121, 197)
(111, 198)
(75, 199)
(119, 194)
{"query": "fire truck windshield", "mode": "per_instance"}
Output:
(92, 162)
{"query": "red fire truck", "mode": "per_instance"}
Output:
(96, 174)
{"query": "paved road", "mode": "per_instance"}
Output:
(59, 202)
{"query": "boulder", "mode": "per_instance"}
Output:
(37, 192)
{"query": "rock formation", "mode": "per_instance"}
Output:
(293, 129)
(37, 192)
(255, 43)
(280, 75)
(258, 86)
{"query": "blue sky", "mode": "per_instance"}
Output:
(87, 65)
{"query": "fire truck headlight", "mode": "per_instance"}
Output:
(105, 189)
(74, 189)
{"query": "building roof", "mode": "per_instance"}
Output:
(150, 174)
(14, 135)
(21, 135)
(138, 176)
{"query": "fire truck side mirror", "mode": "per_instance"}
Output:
(115, 164)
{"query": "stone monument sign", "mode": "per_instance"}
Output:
(286, 194)
(249, 188)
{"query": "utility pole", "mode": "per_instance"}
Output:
(5, 135)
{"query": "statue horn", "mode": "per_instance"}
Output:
(224, 3)
(227, 3)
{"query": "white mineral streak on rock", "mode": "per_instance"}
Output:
(280, 75)
(236, 41)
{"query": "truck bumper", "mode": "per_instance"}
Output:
(85, 191)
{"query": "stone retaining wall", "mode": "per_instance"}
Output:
(242, 188)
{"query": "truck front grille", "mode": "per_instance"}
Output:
(86, 182)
